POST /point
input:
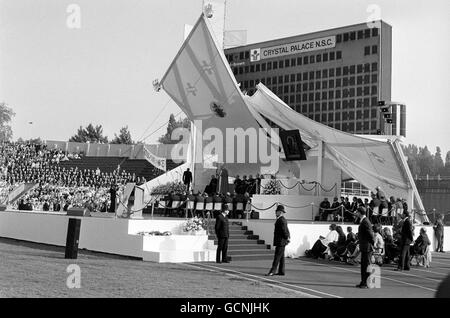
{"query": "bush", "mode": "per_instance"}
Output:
(169, 187)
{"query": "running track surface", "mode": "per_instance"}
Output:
(331, 279)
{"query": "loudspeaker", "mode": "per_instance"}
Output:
(73, 237)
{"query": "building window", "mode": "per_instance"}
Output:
(247, 55)
(311, 108)
(274, 80)
(252, 68)
(305, 60)
(317, 96)
(257, 68)
(374, 67)
(352, 80)
(304, 98)
(324, 73)
(339, 38)
(287, 62)
(345, 104)
(345, 71)
(275, 65)
(331, 83)
(317, 117)
(317, 85)
(299, 61)
(269, 66)
(331, 72)
(305, 76)
(353, 36)
(246, 69)
(338, 55)
(374, 49)
(373, 113)
(338, 71)
(374, 124)
(338, 105)
(366, 90)
(331, 95)
(374, 90)
(293, 62)
(345, 82)
(269, 81)
(324, 118)
(292, 77)
(311, 97)
(344, 116)
(291, 99)
(359, 68)
(305, 87)
(318, 58)
(286, 78)
(304, 108)
(235, 70)
(324, 85)
(374, 101)
(366, 114)
(311, 59)
(318, 74)
(366, 125)
(332, 55)
(311, 75)
(281, 64)
(298, 98)
(292, 88)
(352, 69)
(346, 36)
(366, 68)
(280, 79)
(299, 87)
(352, 93)
(330, 117)
(330, 105)
(367, 79)
(359, 80)
(324, 95)
(374, 31)
(338, 82)
(366, 102)
(263, 67)
(367, 50)
(325, 57)
(359, 103)
(299, 77)
(338, 93)
(367, 33)
(241, 70)
(241, 55)
(252, 83)
(359, 91)
(360, 34)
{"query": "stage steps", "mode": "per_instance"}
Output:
(244, 244)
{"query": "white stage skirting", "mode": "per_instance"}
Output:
(109, 235)
(297, 207)
(304, 235)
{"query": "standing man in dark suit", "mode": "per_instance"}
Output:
(281, 237)
(222, 233)
(366, 241)
(406, 240)
(187, 179)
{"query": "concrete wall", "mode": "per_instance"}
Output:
(304, 235)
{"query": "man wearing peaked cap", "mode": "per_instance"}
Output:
(280, 240)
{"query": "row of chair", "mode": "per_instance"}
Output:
(194, 207)
(384, 217)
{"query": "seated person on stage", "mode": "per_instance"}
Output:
(378, 246)
(334, 208)
(227, 200)
(420, 245)
(350, 243)
(324, 209)
(321, 244)
(335, 249)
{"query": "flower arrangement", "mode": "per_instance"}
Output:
(169, 187)
(272, 187)
(155, 233)
(194, 224)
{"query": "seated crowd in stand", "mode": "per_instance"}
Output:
(57, 187)
(380, 209)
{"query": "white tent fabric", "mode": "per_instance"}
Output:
(371, 162)
(202, 84)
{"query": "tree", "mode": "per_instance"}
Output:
(90, 133)
(6, 115)
(171, 126)
(123, 138)
(426, 161)
(438, 162)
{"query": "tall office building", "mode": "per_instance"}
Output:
(335, 76)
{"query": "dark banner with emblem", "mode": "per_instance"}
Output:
(292, 145)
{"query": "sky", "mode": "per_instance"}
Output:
(60, 78)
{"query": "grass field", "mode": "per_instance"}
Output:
(34, 270)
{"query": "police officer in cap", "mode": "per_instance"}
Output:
(281, 238)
